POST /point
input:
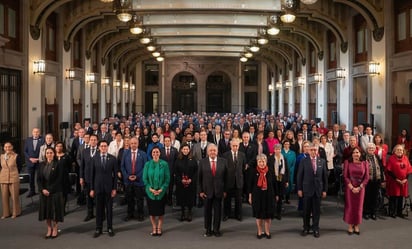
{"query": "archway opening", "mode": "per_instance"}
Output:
(184, 87)
(218, 92)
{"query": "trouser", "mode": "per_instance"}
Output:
(371, 197)
(104, 202)
(170, 190)
(213, 209)
(10, 190)
(227, 203)
(134, 194)
(311, 205)
(31, 170)
(89, 199)
(395, 205)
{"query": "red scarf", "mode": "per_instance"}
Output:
(262, 182)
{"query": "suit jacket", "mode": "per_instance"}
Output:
(197, 151)
(245, 127)
(212, 186)
(265, 146)
(364, 141)
(55, 183)
(86, 166)
(79, 154)
(107, 137)
(250, 152)
(30, 152)
(171, 159)
(104, 179)
(74, 150)
(234, 174)
(222, 147)
(310, 183)
(126, 167)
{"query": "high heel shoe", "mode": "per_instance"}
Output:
(159, 232)
(54, 235)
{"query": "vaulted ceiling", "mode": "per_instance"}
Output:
(205, 27)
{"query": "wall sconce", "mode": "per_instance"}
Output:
(132, 87)
(39, 67)
(270, 87)
(301, 81)
(373, 68)
(91, 78)
(288, 84)
(278, 85)
(340, 73)
(116, 83)
(71, 74)
(125, 86)
(105, 81)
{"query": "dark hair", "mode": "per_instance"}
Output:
(60, 142)
(102, 141)
(351, 152)
(154, 147)
(180, 156)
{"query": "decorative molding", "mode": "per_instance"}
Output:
(320, 55)
(66, 45)
(378, 33)
(88, 54)
(35, 32)
(344, 47)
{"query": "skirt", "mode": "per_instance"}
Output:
(156, 207)
(52, 207)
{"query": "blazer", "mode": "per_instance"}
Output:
(310, 183)
(197, 151)
(104, 179)
(55, 183)
(86, 166)
(126, 167)
(171, 159)
(250, 152)
(212, 186)
(234, 174)
(222, 147)
(156, 178)
(30, 152)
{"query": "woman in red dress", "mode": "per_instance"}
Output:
(356, 176)
(398, 169)
(381, 148)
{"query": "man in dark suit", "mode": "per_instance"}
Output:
(224, 144)
(87, 127)
(75, 150)
(312, 185)
(104, 134)
(132, 164)
(251, 152)
(103, 187)
(212, 179)
(236, 162)
(31, 153)
(169, 154)
(86, 173)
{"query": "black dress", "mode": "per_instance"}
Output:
(51, 177)
(185, 195)
(263, 201)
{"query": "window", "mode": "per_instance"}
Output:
(332, 50)
(250, 72)
(9, 23)
(312, 59)
(362, 38)
(51, 37)
(403, 26)
(77, 50)
(152, 74)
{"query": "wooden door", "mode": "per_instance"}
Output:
(52, 119)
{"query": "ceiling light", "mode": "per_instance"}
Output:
(289, 8)
(106, 1)
(243, 59)
(272, 30)
(160, 58)
(151, 48)
(273, 25)
(254, 48)
(262, 40)
(123, 9)
(145, 40)
(248, 55)
(308, 1)
(136, 25)
(156, 54)
(288, 18)
(124, 16)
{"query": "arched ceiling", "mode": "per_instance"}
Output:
(203, 28)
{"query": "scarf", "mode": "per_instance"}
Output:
(374, 168)
(262, 181)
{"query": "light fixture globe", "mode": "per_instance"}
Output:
(160, 58)
(151, 48)
(254, 48)
(243, 59)
(145, 40)
(262, 40)
(272, 30)
(156, 54)
(248, 55)
(287, 17)
(106, 1)
(308, 1)
(124, 16)
(136, 29)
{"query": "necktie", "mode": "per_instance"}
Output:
(93, 150)
(314, 165)
(104, 161)
(133, 162)
(213, 168)
(81, 141)
(369, 138)
(235, 158)
(35, 140)
(167, 152)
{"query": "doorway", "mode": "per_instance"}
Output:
(218, 93)
(184, 87)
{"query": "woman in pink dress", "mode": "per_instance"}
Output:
(356, 176)
(271, 141)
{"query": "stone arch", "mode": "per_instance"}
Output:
(218, 92)
(184, 88)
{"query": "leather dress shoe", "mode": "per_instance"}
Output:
(97, 233)
(316, 234)
(217, 233)
(304, 232)
(208, 234)
(110, 232)
(373, 216)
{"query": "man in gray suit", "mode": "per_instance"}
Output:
(212, 178)
(236, 162)
(312, 185)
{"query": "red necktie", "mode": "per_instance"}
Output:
(213, 168)
(167, 152)
(133, 163)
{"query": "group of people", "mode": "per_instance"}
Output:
(208, 161)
